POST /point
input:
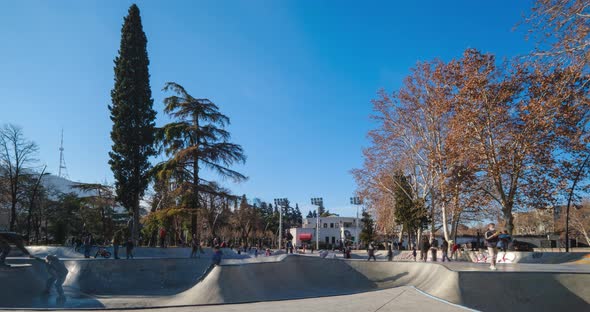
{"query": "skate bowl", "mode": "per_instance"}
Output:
(158, 282)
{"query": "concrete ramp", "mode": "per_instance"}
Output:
(291, 278)
(186, 282)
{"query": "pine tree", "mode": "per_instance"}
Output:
(133, 117)
(298, 216)
(368, 233)
(309, 214)
(194, 140)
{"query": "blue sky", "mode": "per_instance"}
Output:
(295, 77)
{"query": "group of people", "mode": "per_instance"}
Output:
(87, 242)
(432, 246)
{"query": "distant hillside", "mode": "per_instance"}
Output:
(62, 185)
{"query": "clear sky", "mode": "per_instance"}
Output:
(295, 77)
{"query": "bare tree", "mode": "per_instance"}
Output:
(17, 154)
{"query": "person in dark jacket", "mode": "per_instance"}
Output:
(445, 250)
(433, 247)
(116, 243)
(389, 252)
(424, 247)
(371, 251)
(57, 272)
(217, 254)
(87, 245)
(129, 246)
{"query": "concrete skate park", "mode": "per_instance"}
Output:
(167, 278)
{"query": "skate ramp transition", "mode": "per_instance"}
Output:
(182, 282)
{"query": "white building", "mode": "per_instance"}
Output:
(332, 230)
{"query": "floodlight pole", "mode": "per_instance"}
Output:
(280, 202)
(356, 201)
(318, 201)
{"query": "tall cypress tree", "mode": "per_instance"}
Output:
(133, 117)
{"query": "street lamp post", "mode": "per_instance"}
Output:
(281, 202)
(319, 202)
(356, 201)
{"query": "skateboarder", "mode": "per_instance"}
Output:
(57, 275)
(7, 238)
(491, 241)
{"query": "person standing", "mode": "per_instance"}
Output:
(129, 246)
(445, 250)
(57, 272)
(217, 254)
(371, 251)
(194, 246)
(454, 250)
(504, 241)
(87, 245)
(162, 237)
(433, 247)
(491, 242)
(414, 252)
(116, 243)
(424, 247)
(389, 252)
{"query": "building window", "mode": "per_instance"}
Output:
(327, 240)
(325, 225)
(333, 240)
(331, 225)
(347, 224)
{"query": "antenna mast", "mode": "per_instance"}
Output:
(62, 162)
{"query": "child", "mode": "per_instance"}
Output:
(57, 275)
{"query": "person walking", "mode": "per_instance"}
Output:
(57, 272)
(445, 250)
(491, 242)
(414, 252)
(389, 252)
(424, 247)
(371, 251)
(129, 246)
